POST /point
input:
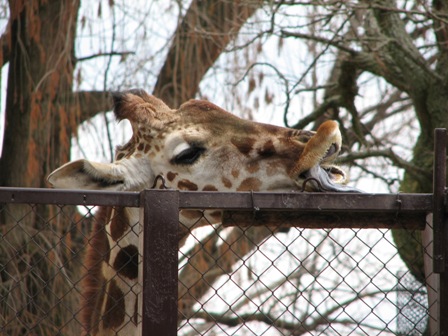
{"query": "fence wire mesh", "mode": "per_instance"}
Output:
(40, 264)
(252, 280)
(412, 305)
(271, 281)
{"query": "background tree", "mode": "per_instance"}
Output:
(378, 67)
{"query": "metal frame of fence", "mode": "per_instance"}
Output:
(159, 212)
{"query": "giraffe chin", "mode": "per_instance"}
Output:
(326, 178)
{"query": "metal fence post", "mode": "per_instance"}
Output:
(439, 226)
(158, 272)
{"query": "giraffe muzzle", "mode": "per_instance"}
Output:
(314, 169)
(325, 179)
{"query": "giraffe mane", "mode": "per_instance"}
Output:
(93, 281)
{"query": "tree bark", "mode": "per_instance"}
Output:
(205, 31)
(39, 122)
(428, 90)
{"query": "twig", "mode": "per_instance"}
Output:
(105, 54)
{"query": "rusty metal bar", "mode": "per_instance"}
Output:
(159, 270)
(319, 202)
(312, 202)
(68, 197)
(325, 220)
(439, 183)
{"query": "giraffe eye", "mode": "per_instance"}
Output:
(188, 156)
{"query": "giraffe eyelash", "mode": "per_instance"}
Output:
(188, 156)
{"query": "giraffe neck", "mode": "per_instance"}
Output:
(110, 286)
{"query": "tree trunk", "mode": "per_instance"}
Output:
(39, 126)
(39, 121)
(436, 115)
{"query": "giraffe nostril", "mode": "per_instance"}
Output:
(303, 175)
(334, 148)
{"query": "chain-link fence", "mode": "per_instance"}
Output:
(292, 281)
(40, 268)
(253, 273)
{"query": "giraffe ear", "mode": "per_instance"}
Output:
(84, 174)
(141, 108)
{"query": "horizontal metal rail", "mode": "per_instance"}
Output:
(339, 202)
(300, 209)
(69, 197)
(334, 202)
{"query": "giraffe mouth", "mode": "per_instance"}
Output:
(325, 176)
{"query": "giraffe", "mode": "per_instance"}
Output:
(200, 147)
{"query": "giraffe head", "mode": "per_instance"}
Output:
(196, 147)
(202, 147)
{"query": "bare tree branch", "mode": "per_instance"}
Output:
(318, 112)
(331, 42)
(297, 329)
(122, 54)
(210, 260)
(417, 172)
(387, 180)
(206, 29)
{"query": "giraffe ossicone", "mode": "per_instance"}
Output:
(198, 147)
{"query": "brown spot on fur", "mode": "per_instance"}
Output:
(244, 145)
(272, 129)
(147, 148)
(128, 149)
(171, 176)
(192, 214)
(130, 153)
(141, 146)
(148, 137)
(187, 185)
(253, 167)
(126, 262)
(209, 187)
(268, 149)
(115, 310)
(250, 183)
(235, 173)
(120, 156)
(119, 223)
(216, 215)
(227, 183)
(157, 148)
